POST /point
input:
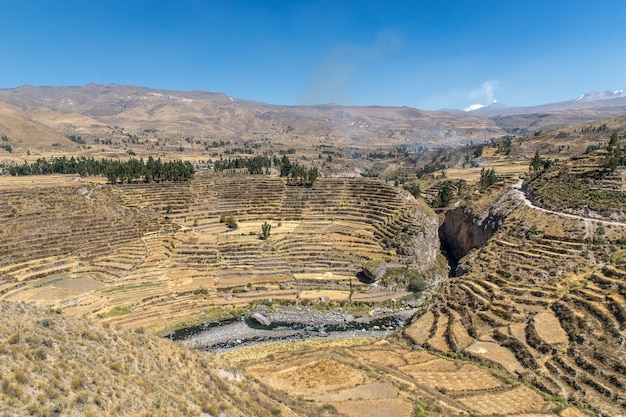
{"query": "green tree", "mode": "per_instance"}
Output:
(614, 155)
(444, 196)
(488, 177)
(265, 228)
(538, 162)
(414, 189)
(231, 223)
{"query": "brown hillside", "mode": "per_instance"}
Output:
(52, 364)
(544, 298)
(213, 116)
(24, 134)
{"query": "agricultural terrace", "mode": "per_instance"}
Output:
(150, 254)
(384, 378)
(544, 298)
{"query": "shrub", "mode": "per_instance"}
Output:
(417, 285)
(231, 223)
(77, 382)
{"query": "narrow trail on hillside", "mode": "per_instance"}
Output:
(519, 193)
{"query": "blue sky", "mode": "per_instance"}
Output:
(425, 54)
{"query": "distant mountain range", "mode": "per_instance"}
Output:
(588, 107)
(595, 95)
(51, 114)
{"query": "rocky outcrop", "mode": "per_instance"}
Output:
(463, 232)
(424, 245)
(375, 269)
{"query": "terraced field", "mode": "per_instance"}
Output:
(147, 254)
(543, 300)
(384, 378)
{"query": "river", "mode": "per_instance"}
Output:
(292, 323)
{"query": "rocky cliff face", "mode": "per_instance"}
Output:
(468, 227)
(424, 246)
(462, 231)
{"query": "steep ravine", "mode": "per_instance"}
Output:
(462, 232)
(466, 228)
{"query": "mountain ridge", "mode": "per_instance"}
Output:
(114, 113)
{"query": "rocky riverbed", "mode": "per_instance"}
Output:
(292, 323)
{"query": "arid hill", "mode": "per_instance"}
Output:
(53, 364)
(130, 114)
(113, 121)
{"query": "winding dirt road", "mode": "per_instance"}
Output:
(519, 193)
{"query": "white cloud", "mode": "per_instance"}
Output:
(473, 98)
(473, 107)
(484, 92)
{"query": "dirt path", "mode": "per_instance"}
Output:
(517, 189)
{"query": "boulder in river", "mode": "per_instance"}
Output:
(261, 319)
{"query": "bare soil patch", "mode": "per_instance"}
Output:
(467, 378)
(520, 399)
(498, 354)
(419, 331)
(311, 378)
(376, 390)
(376, 408)
(549, 328)
(82, 284)
(39, 181)
(45, 294)
(329, 294)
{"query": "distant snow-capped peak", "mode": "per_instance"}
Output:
(596, 95)
(473, 107)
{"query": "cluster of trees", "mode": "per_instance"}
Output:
(76, 139)
(444, 196)
(537, 162)
(255, 165)
(296, 173)
(488, 177)
(602, 128)
(115, 171)
(414, 189)
(504, 146)
(150, 171)
(616, 155)
(261, 165)
(230, 221)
